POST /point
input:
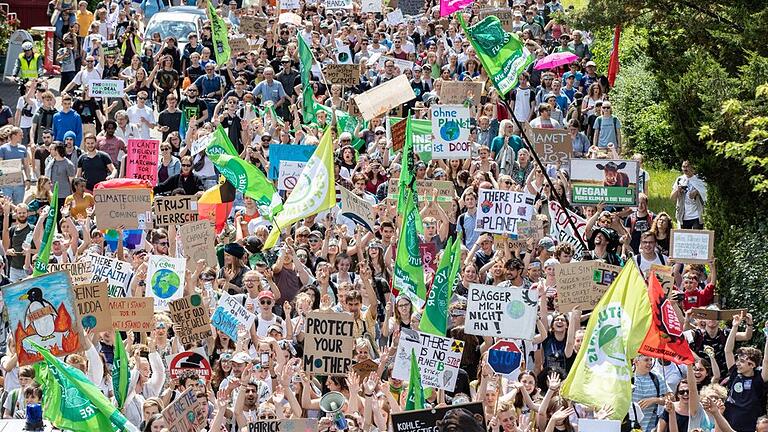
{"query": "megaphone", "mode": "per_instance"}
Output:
(331, 403)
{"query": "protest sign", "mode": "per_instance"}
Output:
(421, 135)
(438, 357)
(115, 272)
(384, 97)
(93, 306)
(664, 275)
(716, 315)
(185, 413)
(561, 230)
(552, 145)
(595, 425)
(411, 7)
(11, 173)
(500, 210)
(342, 74)
(397, 131)
(240, 45)
(472, 415)
(532, 230)
(465, 93)
(106, 88)
(501, 312)
(198, 239)
(165, 279)
(253, 25)
(357, 209)
(141, 161)
(428, 252)
(177, 210)
(613, 182)
(290, 171)
(289, 18)
(285, 425)
(80, 272)
(230, 316)
(583, 283)
(328, 343)
(193, 360)
(450, 129)
(373, 6)
(401, 64)
(364, 368)
(289, 4)
(395, 17)
(287, 152)
(132, 313)
(692, 246)
(122, 208)
(190, 314)
(43, 310)
(110, 47)
(445, 192)
(338, 4)
(504, 15)
(201, 143)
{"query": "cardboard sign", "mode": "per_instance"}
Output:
(254, 25)
(338, 4)
(230, 316)
(165, 279)
(93, 306)
(132, 313)
(373, 6)
(116, 273)
(382, 98)
(445, 192)
(198, 239)
(122, 208)
(364, 368)
(583, 283)
(43, 310)
(397, 131)
(141, 161)
(239, 45)
(504, 15)
(80, 272)
(501, 312)
(285, 425)
(450, 129)
(328, 343)
(692, 246)
(428, 419)
(718, 315)
(526, 230)
(106, 88)
(290, 171)
(467, 93)
(421, 135)
(500, 210)
(357, 209)
(439, 358)
(289, 18)
(613, 182)
(11, 173)
(288, 152)
(552, 145)
(191, 316)
(177, 210)
(193, 360)
(342, 74)
(185, 413)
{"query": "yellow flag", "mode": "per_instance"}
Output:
(314, 192)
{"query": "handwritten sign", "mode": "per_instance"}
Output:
(185, 413)
(254, 25)
(132, 313)
(445, 192)
(716, 315)
(230, 316)
(466, 93)
(583, 283)
(692, 246)
(106, 88)
(177, 210)
(438, 357)
(504, 15)
(92, 301)
(357, 209)
(397, 131)
(328, 343)
(365, 368)
(197, 239)
(165, 279)
(501, 312)
(11, 173)
(116, 273)
(342, 74)
(239, 45)
(141, 162)
(191, 315)
(552, 145)
(429, 419)
(80, 272)
(384, 97)
(450, 129)
(285, 425)
(372, 6)
(290, 171)
(289, 4)
(338, 4)
(122, 208)
(499, 211)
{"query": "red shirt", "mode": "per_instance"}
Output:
(698, 297)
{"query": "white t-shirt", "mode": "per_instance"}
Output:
(85, 76)
(26, 122)
(135, 114)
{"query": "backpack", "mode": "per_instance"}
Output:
(639, 258)
(598, 126)
(460, 222)
(628, 425)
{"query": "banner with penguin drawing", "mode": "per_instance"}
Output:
(501, 312)
(43, 310)
(165, 280)
(438, 357)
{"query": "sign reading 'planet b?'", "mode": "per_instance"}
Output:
(502, 312)
(165, 279)
(450, 128)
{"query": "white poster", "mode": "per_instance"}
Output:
(395, 17)
(290, 4)
(230, 316)
(338, 4)
(438, 357)
(450, 129)
(289, 174)
(561, 230)
(373, 6)
(116, 273)
(499, 211)
(165, 279)
(501, 312)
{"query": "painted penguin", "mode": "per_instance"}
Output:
(44, 324)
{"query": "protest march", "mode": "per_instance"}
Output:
(353, 215)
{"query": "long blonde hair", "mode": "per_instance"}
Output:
(40, 193)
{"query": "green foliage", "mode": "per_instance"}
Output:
(660, 188)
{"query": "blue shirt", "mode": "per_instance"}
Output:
(269, 92)
(467, 229)
(208, 85)
(9, 152)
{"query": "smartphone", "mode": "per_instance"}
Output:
(264, 359)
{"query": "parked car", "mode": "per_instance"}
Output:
(176, 21)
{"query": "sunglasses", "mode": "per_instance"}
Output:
(141, 98)
(186, 165)
(682, 392)
(265, 302)
(162, 243)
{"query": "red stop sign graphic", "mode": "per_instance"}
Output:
(669, 318)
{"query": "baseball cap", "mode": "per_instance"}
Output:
(380, 129)
(591, 63)
(316, 234)
(548, 244)
(241, 357)
(265, 294)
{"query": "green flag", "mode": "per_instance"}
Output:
(435, 319)
(41, 263)
(72, 402)
(245, 177)
(409, 267)
(219, 36)
(502, 54)
(407, 179)
(121, 372)
(305, 71)
(415, 398)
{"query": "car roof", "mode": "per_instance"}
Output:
(175, 16)
(185, 9)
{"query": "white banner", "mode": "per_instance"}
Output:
(338, 4)
(498, 211)
(450, 129)
(560, 229)
(501, 312)
(106, 88)
(438, 357)
(288, 174)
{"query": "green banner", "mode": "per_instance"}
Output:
(121, 372)
(435, 319)
(409, 266)
(610, 195)
(41, 263)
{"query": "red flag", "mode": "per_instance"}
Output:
(665, 339)
(613, 64)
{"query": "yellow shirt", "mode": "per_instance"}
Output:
(84, 19)
(77, 210)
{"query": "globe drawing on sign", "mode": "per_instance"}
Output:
(89, 321)
(165, 283)
(450, 131)
(516, 309)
